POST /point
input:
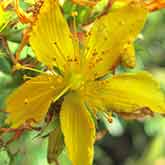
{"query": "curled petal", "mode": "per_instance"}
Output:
(111, 38)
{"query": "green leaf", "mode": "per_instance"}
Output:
(4, 64)
(46, 130)
(55, 145)
(4, 157)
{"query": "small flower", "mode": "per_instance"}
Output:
(109, 42)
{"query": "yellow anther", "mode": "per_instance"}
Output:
(26, 101)
(18, 66)
(74, 14)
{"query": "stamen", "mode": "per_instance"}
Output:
(74, 15)
(18, 66)
(75, 39)
(25, 77)
(62, 93)
(26, 101)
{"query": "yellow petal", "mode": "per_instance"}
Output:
(112, 35)
(78, 129)
(51, 39)
(32, 100)
(129, 93)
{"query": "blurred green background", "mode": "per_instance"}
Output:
(126, 142)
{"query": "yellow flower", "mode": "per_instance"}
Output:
(109, 42)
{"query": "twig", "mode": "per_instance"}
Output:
(5, 45)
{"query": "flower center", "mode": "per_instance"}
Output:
(76, 80)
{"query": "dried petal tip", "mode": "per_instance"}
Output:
(155, 5)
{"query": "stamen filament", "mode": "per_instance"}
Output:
(18, 66)
(75, 36)
(62, 93)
